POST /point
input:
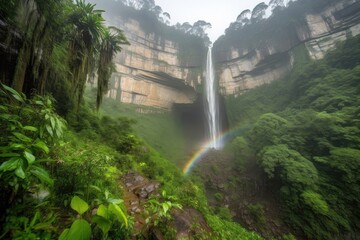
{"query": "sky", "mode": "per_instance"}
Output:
(220, 13)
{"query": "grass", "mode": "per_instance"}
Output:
(159, 128)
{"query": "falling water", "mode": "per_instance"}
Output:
(212, 105)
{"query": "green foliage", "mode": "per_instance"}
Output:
(267, 130)
(80, 229)
(29, 127)
(150, 126)
(292, 168)
(223, 229)
(315, 201)
(223, 213)
(257, 213)
(23, 227)
(309, 145)
(79, 205)
(104, 218)
(242, 151)
(157, 210)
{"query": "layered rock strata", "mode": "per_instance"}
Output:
(240, 69)
(149, 72)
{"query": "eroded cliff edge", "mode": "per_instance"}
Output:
(154, 70)
(265, 52)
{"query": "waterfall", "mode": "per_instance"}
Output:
(211, 103)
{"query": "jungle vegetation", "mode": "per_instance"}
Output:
(61, 161)
(303, 132)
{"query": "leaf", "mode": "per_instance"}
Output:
(115, 209)
(65, 234)
(4, 155)
(165, 207)
(79, 205)
(11, 164)
(49, 129)
(43, 226)
(14, 93)
(17, 146)
(41, 145)
(41, 174)
(52, 121)
(35, 218)
(39, 103)
(22, 137)
(30, 128)
(29, 157)
(95, 188)
(103, 211)
(102, 223)
(79, 230)
(20, 172)
(115, 200)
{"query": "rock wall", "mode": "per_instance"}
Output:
(240, 69)
(149, 72)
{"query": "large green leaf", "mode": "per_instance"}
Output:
(80, 230)
(65, 234)
(29, 157)
(41, 174)
(30, 128)
(79, 205)
(11, 164)
(14, 93)
(52, 121)
(103, 211)
(17, 146)
(49, 130)
(102, 223)
(115, 209)
(41, 145)
(20, 172)
(11, 154)
(22, 137)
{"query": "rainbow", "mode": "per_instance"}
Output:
(197, 156)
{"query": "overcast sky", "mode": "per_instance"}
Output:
(220, 13)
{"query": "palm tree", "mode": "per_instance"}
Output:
(86, 36)
(110, 45)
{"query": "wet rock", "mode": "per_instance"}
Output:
(152, 187)
(187, 222)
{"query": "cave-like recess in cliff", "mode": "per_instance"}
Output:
(192, 119)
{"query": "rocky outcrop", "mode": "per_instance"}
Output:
(149, 71)
(138, 189)
(242, 68)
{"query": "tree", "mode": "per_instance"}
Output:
(293, 169)
(186, 27)
(110, 45)
(258, 12)
(166, 18)
(276, 4)
(267, 130)
(243, 18)
(199, 28)
(85, 38)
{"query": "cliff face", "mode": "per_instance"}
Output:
(246, 66)
(149, 71)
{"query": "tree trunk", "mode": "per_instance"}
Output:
(21, 66)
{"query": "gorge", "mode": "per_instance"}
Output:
(117, 125)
